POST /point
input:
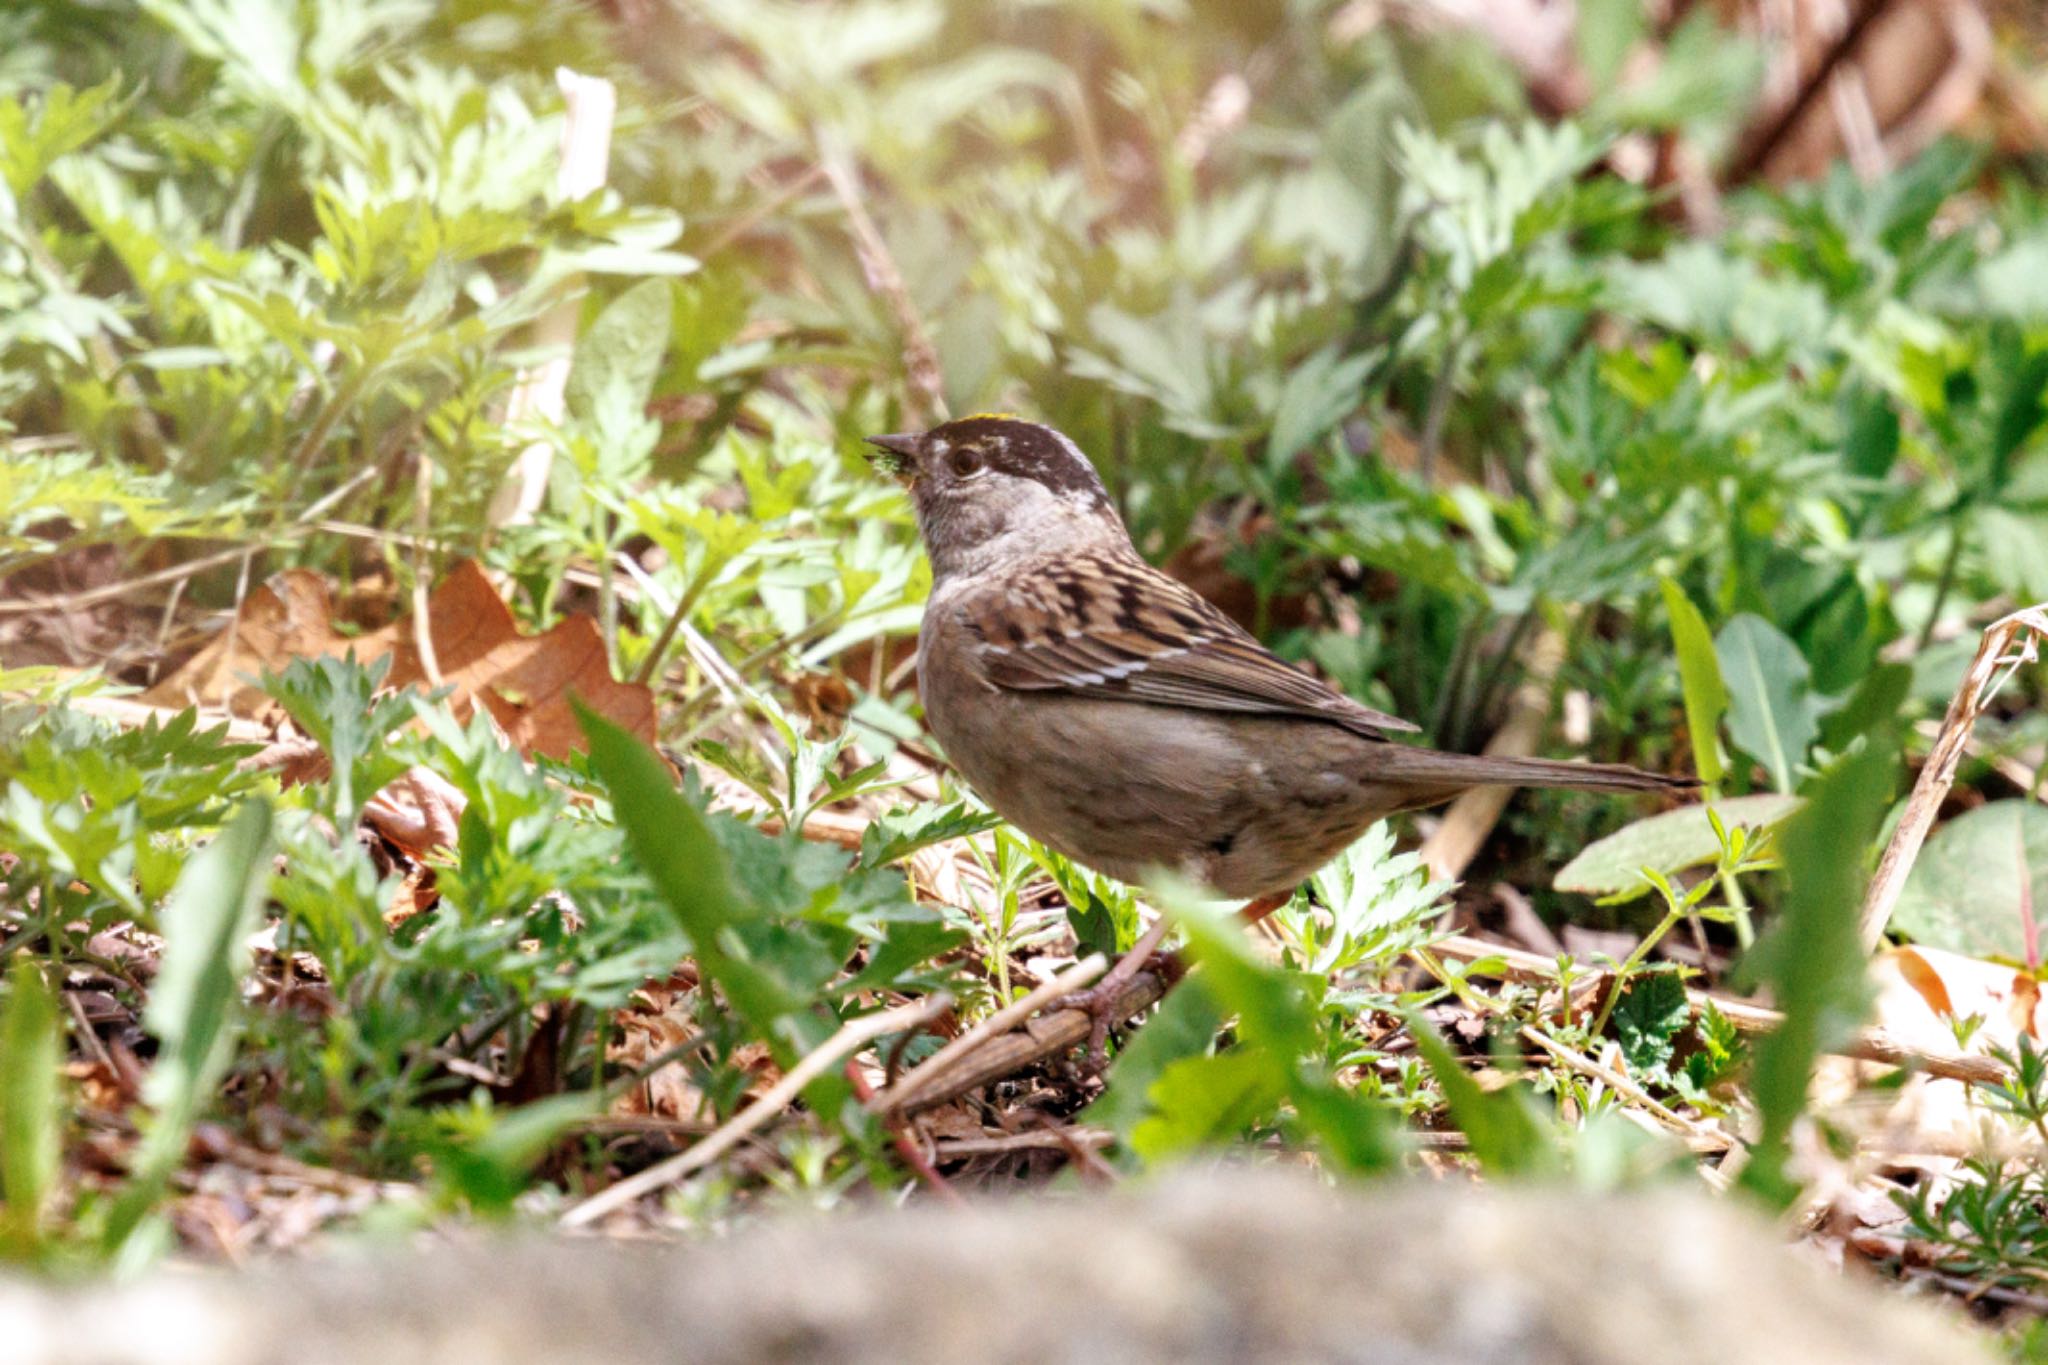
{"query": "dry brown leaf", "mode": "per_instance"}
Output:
(417, 813)
(1918, 973)
(524, 681)
(1921, 989)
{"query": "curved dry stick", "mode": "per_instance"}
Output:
(1979, 684)
(773, 1101)
(1047, 1036)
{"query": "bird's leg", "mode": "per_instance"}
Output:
(1100, 999)
(1251, 912)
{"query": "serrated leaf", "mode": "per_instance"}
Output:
(1669, 842)
(895, 835)
(1649, 1016)
(1315, 398)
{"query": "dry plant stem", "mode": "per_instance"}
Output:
(905, 1142)
(1701, 1136)
(1047, 1036)
(1870, 1045)
(778, 1097)
(1040, 1140)
(540, 393)
(2024, 628)
(1756, 148)
(1003, 1020)
(760, 212)
(422, 524)
(920, 358)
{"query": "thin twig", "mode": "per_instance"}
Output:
(1075, 978)
(1701, 1136)
(422, 617)
(1046, 1036)
(1873, 1044)
(920, 358)
(905, 1141)
(773, 1101)
(1036, 1140)
(1979, 683)
(1763, 139)
(306, 521)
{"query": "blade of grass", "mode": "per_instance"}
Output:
(193, 1007)
(31, 1051)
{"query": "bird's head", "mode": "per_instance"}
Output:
(993, 485)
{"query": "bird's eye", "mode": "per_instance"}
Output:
(965, 462)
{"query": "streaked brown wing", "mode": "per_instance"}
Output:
(1117, 628)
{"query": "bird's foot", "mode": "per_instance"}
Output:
(1100, 1000)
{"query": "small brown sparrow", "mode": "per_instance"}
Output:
(1111, 713)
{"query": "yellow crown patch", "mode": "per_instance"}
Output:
(992, 417)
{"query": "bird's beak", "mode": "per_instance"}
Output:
(898, 454)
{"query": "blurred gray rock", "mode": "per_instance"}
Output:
(1232, 1265)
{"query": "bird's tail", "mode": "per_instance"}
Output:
(1432, 768)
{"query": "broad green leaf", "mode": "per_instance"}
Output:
(195, 1004)
(1668, 843)
(31, 1116)
(623, 347)
(1773, 714)
(1184, 1025)
(1198, 1101)
(1975, 876)
(1812, 959)
(1317, 395)
(489, 1170)
(1607, 31)
(674, 844)
(1699, 672)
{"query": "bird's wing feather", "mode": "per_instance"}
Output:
(1114, 627)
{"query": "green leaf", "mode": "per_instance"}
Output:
(1649, 1016)
(490, 1170)
(31, 1113)
(1607, 31)
(1973, 878)
(1874, 704)
(1507, 1135)
(1721, 1052)
(675, 846)
(1317, 395)
(1668, 842)
(336, 702)
(895, 835)
(1184, 1025)
(195, 1003)
(1699, 672)
(1773, 715)
(2020, 414)
(1812, 958)
(1198, 1101)
(623, 348)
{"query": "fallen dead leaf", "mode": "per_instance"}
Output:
(524, 681)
